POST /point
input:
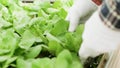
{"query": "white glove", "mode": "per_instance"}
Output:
(79, 9)
(98, 38)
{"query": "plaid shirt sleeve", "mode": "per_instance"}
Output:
(110, 13)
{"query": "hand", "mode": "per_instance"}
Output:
(79, 9)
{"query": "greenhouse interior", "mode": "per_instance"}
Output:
(59, 34)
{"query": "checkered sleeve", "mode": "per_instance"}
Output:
(110, 13)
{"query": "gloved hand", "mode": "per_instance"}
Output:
(79, 9)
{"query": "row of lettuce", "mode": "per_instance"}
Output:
(35, 35)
